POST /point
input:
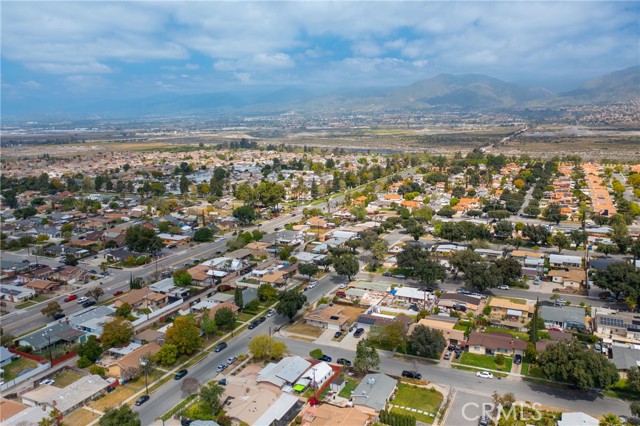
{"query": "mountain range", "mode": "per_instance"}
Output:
(467, 91)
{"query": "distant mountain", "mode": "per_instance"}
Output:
(615, 86)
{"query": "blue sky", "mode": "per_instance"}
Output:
(90, 49)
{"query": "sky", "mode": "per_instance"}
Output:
(57, 51)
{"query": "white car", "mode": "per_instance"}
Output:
(504, 287)
(82, 300)
(221, 368)
(231, 360)
(484, 375)
(312, 284)
(343, 285)
(47, 382)
(561, 301)
(271, 313)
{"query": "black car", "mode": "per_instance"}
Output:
(180, 374)
(253, 325)
(220, 346)
(222, 382)
(261, 320)
(58, 316)
(337, 335)
(451, 348)
(325, 358)
(343, 361)
(142, 400)
(110, 389)
(517, 359)
(358, 332)
(483, 421)
(386, 274)
(88, 303)
(411, 374)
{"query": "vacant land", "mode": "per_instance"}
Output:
(305, 330)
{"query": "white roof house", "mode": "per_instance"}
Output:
(318, 374)
(69, 397)
(283, 405)
(285, 372)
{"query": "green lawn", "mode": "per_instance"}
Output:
(462, 326)
(534, 371)
(25, 305)
(418, 416)
(66, 377)
(244, 317)
(14, 368)
(417, 397)
(520, 335)
(475, 369)
(485, 361)
(525, 369)
(349, 385)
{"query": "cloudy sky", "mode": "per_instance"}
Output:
(136, 49)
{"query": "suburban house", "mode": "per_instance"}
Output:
(5, 356)
(42, 286)
(461, 302)
(92, 320)
(554, 337)
(612, 326)
(495, 343)
(624, 358)
(444, 325)
(373, 392)
(68, 398)
(14, 293)
(330, 415)
(563, 316)
(55, 334)
(375, 322)
(412, 296)
(115, 367)
(562, 261)
(329, 317)
(285, 373)
(281, 412)
(142, 298)
(506, 312)
(173, 239)
(317, 375)
(168, 287)
(570, 278)
(573, 419)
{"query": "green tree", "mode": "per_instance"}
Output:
(367, 357)
(633, 379)
(70, 260)
(392, 334)
(95, 293)
(51, 309)
(203, 235)
(270, 194)
(225, 318)
(263, 346)
(620, 278)
(482, 275)
(210, 394)
(124, 310)
(308, 269)
(245, 215)
(415, 229)
(290, 303)
(635, 408)
(184, 335)
(182, 278)
(553, 213)
(429, 271)
(572, 363)
(167, 355)
(143, 240)
(610, 420)
(237, 298)
(346, 264)
(578, 237)
(561, 241)
(53, 419)
(91, 349)
(267, 292)
(116, 333)
(426, 342)
(184, 185)
(207, 323)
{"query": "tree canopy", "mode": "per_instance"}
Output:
(426, 342)
(263, 346)
(143, 240)
(346, 264)
(621, 278)
(290, 303)
(184, 335)
(116, 333)
(367, 357)
(245, 215)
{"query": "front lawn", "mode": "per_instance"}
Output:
(244, 317)
(484, 361)
(305, 330)
(420, 398)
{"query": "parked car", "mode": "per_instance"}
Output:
(484, 375)
(118, 292)
(231, 360)
(325, 358)
(180, 374)
(70, 297)
(399, 276)
(341, 294)
(517, 359)
(82, 300)
(277, 228)
(47, 382)
(447, 355)
(58, 316)
(503, 287)
(358, 332)
(110, 389)
(261, 320)
(142, 400)
(221, 368)
(386, 274)
(561, 301)
(337, 334)
(93, 271)
(311, 285)
(253, 325)
(411, 374)
(88, 303)
(483, 421)
(343, 285)
(271, 313)
(222, 382)
(220, 346)
(343, 361)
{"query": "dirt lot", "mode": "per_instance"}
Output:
(305, 330)
(67, 377)
(80, 417)
(114, 398)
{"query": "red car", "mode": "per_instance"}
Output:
(70, 297)
(117, 292)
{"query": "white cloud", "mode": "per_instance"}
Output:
(225, 65)
(276, 60)
(30, 84)
(73, 68)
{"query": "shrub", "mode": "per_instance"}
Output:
(84, 362)
(96, 369)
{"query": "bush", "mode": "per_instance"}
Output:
(96, 369)
(316, 354)
(84, 362)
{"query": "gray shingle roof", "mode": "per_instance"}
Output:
(374, 391)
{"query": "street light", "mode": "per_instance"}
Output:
(144, 362)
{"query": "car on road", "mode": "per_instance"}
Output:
(88, 303)
(58, 316)
(231, 360)
(411, 374)
(222, 382)
(70, 297)
(337, 334)
(180, 374)
(261, 320)
(93, 271)
(484, 375)
(142, 400)
(343, 361)
(253, 325)
(483, 421)
(517, 359)
(47, 382)
(386, 274)
(271, 313)
(259, 225)
(25, 261)
(343, 285)
(221, 368)
(503, 287)
(118, 292)
(218, 252)
(463, 292)
(220, 346)
(358, 332)
(325, 358)
(82, 300)
(277, 228)
(399, 276)
(561, 301)
(312, 284)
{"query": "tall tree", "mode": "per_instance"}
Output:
(225, 318)
(553, 213)
(143, 240)
(116, 333)
(210, 394)
(427, 342)
(51, 309)
(346, 264)
(184, 335)
(308, 269)
(367, 357)
(263, 346)
(245, 215)
(290, 303)
(237, 298)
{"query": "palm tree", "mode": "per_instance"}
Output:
(610, 420)
(210, 394)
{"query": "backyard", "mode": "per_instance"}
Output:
(13, 369)
(484, 362)
(66, 377)
(349, 385)
(517, 334)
